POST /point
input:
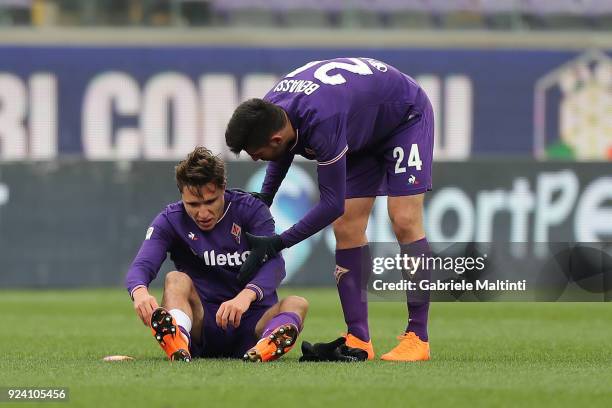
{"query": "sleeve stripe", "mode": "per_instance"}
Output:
(257, 289)
(335, 159)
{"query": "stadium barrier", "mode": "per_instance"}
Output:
(76, 223)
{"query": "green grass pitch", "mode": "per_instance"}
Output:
(483, 354)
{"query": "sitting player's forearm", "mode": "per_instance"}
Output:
(145, 266)
(268, 278)
(139, 291)
(135, 279)
(249, 294)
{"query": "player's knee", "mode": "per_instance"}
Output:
(296, 304)
(407, 227)
(177, 279)
(345, 229)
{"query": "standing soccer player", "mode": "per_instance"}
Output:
(370, 129)
(206, 311)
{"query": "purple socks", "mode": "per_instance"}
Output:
(418, 303)
(353, 270)
(281, 319)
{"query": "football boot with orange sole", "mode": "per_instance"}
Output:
(276, 344)
(410, 348)
(168, 335)
(356, 342)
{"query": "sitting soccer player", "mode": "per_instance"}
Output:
(206, 310)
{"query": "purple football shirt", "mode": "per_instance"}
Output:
(211, 258)
(338, 107)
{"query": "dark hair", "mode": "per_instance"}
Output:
(198, 169)
(252, 124)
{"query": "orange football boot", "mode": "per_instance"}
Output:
(270, 348)
(411, 348)
(356, 342)
(168, 335)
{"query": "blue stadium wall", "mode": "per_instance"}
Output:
(109, 103)
(75, 223)
(89, 136)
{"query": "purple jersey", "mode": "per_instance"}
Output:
(339, 107)
(211, 258)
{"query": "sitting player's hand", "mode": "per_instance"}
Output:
(144, 304)
(262, 248)
(231, 311)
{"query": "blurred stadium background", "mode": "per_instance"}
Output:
(99, 99)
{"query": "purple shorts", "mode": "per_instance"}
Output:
(401, 166)
(230, 343)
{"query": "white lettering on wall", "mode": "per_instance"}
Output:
(452, 102)
(108, 94)
(13, 107)
(169, 94)
(43, 116)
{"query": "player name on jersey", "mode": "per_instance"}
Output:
(296, 86)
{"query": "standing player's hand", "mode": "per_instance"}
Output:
(144, 304)
(231, 312)
(262, 249)
(266, 198)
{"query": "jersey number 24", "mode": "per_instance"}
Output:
(414, 159)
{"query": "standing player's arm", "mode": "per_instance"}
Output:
(145, 267)
(275, 174)
(268, 278)
(329, 143)
(332, 187)
(328, 140)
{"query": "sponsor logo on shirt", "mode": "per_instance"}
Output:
(192, 236)
(236, 229)
(211, 258)
(149, 233)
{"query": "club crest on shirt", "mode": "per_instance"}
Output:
(236, 230)
(339, 272)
